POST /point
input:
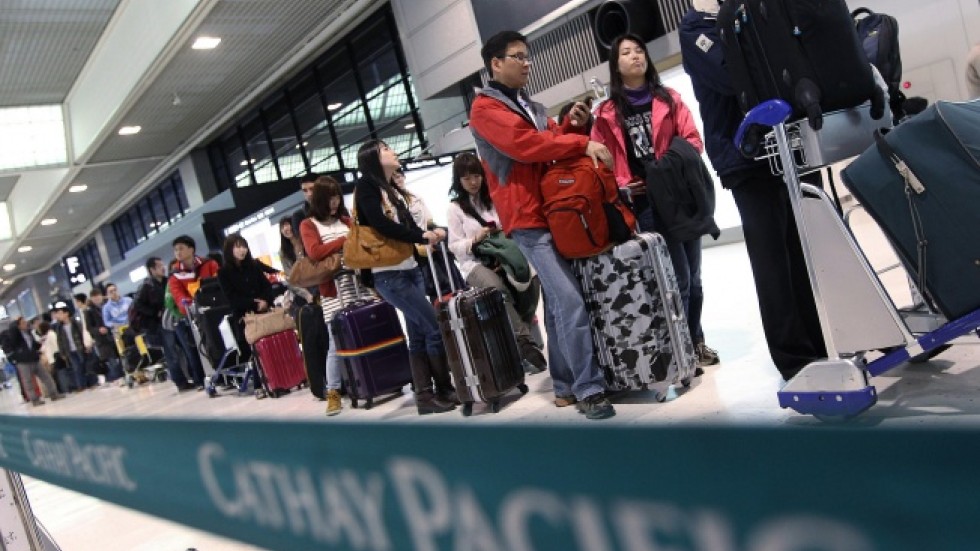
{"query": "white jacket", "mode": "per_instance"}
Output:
(462, 230)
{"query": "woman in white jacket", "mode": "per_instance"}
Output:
(472, 217)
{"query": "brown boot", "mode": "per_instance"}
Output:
(426, 399)
(444, 381)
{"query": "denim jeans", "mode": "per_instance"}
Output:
(76, 359)
(405, 290)
(685, 256)
(333, 362)
(168, 341)
(566, 322)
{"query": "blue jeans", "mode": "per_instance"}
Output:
(685, 256)
(168, 341)
(188, 347)
(405, 290)
(333, 362)
(566, 322)
(76, 360)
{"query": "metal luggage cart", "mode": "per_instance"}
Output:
(856, 313)
(231, 369)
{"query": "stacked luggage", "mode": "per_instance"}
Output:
(639, 329)
(481, 348)
(370, 341)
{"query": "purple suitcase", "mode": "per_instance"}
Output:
(372, 346)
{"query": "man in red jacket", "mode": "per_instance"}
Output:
(516, 140)
(186, 271)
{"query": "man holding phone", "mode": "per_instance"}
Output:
(516, 139)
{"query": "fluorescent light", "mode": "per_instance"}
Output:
(49, 221)
(206, 43)
(334, 106)
(129, 130)
(410, 125)
(25, 249)
(9, 267)
(77, 188)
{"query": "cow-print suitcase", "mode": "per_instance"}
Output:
(638, 324)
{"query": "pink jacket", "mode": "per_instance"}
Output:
(607, 131)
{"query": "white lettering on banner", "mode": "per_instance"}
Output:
(344, 509)
(88, 463)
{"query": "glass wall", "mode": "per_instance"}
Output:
(153, 213)
(358, 90)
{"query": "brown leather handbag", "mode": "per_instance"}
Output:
(367, 248)
(308, 273)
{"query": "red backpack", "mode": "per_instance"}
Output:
(583, 208)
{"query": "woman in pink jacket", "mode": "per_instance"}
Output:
(637, 124)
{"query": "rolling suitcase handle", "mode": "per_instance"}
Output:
(435, 275)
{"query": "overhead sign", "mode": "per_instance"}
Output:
(246, 222)
(76, 273)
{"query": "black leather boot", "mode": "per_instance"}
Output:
(443, 378)
(426, 399)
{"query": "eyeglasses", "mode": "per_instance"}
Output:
(520, 58)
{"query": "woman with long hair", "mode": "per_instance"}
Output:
(290, 248)
(380, 206)
(246, 287)
(637, 124)
(472, 217)
(323, 233)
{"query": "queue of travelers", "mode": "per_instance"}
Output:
(495, 197)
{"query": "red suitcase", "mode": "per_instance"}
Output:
(280, 363)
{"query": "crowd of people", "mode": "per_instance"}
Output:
(495, 198)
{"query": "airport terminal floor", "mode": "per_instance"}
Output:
(741, 390)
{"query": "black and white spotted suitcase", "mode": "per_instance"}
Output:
(638, 323)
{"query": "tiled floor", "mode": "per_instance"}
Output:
(740, 390)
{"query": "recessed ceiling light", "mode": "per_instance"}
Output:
(206, 43)
(77, 188)
(410, 125)
(49, 221)
(129, 130)
(25, 249)
(334, 106)
(9, 267)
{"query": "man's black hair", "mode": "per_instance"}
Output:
(152, 262)
(496, 46)
(80, 297)
(184, 240)
(308, 177)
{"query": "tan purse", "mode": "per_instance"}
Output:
(367, 248)
(262, 325)
(307, 273)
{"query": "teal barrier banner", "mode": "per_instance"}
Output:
(303, 486)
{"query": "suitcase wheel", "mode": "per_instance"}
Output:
(522, 388)
(369, 403)
(495, 406)
(686, 382)
(467, 409)
(661, 397)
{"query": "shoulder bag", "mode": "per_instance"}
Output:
(367, 248)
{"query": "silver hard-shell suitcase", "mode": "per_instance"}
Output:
(639, 327)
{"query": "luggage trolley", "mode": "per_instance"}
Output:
(856, 313)
(230, 368)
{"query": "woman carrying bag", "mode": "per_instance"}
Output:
(472, 220)
(638, 124)
(382, 210)
(246, 286)
(324, 233)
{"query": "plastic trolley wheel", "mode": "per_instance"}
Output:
(495, 406)
(686, 383)
(467, 409)
(522, 388)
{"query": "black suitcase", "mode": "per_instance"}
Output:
(313, 340)
(481, 347)
(805, 52)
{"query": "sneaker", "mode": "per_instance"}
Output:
(333, 402)
(564, 401)
(706, 356)
(185, 387)
(596, 406)
(37, 402)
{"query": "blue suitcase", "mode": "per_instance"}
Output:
(931, 211)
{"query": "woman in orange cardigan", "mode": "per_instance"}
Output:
(324, 234)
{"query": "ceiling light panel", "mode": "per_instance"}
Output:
(32, 136)
(206, 43)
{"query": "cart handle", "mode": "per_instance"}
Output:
(768, 113)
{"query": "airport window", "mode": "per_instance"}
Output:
(156, 211)
(360, 89)
(90, 259)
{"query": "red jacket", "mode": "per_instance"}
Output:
(515, 154)
(666, 124)
(316, 250)
(181, 277)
